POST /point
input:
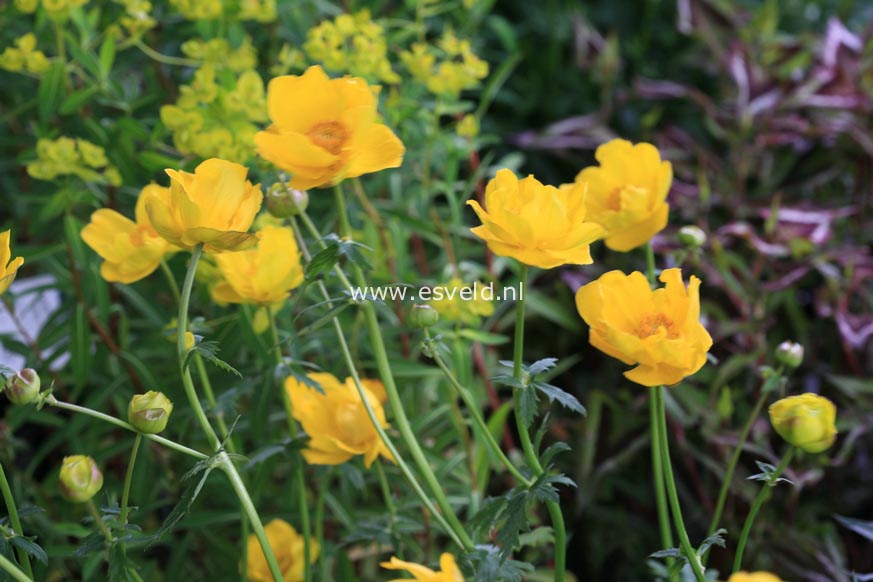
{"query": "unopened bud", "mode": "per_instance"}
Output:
(149, 412)
(692, 236)
(80, 478)
(285, 202)
(23, 387)
(423, 316)
(789, 354)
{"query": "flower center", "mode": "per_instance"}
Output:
(329, 135)
(613, 200)
(653, 323)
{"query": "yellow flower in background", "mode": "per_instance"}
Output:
(627, 192)
(288, 547)
(538, 225)
(336, 421)
(659, 330)
(754, 577)
(352, 44)
(264, 274)
(325, 130)
(446, 68)
(8, 266)
(67, 156)
(448, 572)
(24, 56)
(807, 421)
(215, 206)
(130, 250)
(452, 306)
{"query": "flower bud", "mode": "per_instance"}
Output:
(789, 354)
(692, 236)
(149, 412)
(807, 421)
(23, 387)
(423, 316)
(285, 202)
(80, 479)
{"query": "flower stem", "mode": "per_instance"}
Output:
(14, 519)
(763, 495)
(13, 570)
(166, 59)
(101, 525)
(658, 474)
(125, 495)
(226, 465)
(171, 281)
(672, 495)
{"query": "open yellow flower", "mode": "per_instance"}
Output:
(262, 275)
(130, 250)
(659, 330)
(449, 571)
(8, 268)
(215, 206)
(754, 577)
(538, 225)
(807, 421)
(325, 130)
(288, 547)
(627, 193)
(336, 421)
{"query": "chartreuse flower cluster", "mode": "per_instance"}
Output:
(353, 44)
(55, 9)
(446, 68)
(136, 20)
(451, 307)
(24, 56)
(258, 10)
(66, 156)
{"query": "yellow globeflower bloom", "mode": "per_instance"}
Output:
(449, 571)
(215, 206)
(263, 275)
(538, 225)
(658, 330)
(325, 130)
(754, 577)
(8, 268)
(627, 193)
(288, 547)
(807, 421)
(336, 421)
(130, 250)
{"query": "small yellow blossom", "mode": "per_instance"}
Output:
(258, 10)
(8, 266)
(468, 127)
(352, 44)
(807, 421)
(288, 547)
(198, 9)
(447, 68)
(448, 572)
(78, 157)
(538, 225)
(627, 192)
(659, 330)
(453, 306)
(130, 250)
(325, 130)
(24, 56)
(336, 421)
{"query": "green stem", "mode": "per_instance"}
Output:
(13, 570)
(92, 509)
(171, 281)
(763, 495)
(389, 503)
(456, 532)
(658, 474)
(557, 518)
(473, 409)
(14, 519)
(342, 211)
(225, 462)
(52, 401)
(319, 525)
(166, 59)
(128, 477)
(672, 495)
(299, 480)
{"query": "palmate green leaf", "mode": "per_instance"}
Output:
(527, 406)
(563, 398)
(490, 566)
(28, 545)
(208, 350)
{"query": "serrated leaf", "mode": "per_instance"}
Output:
(668, 553)
(31, 547)
(93, 543)
(716, 539)
(527, 406)
(541, 366)
(553, 450)
(563, 398)
(540, 536)
(322, 262)
(507, 380)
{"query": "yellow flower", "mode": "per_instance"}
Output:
(449, 571)
(538, 225)
(659, 330)
(452, 306)
(264, 274)
(806, 421)
(130, 251)
(215, 205)
(8, 268)
(325, 130)
(287, 545)
(336, 421)
(754, 577)
(627, 193)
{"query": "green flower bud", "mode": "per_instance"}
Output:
(423, 316)
(80, 478)
(23, 387)
(807, 421)
(692, 236)
(284, 202)
(789, 354)
(149, 412)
